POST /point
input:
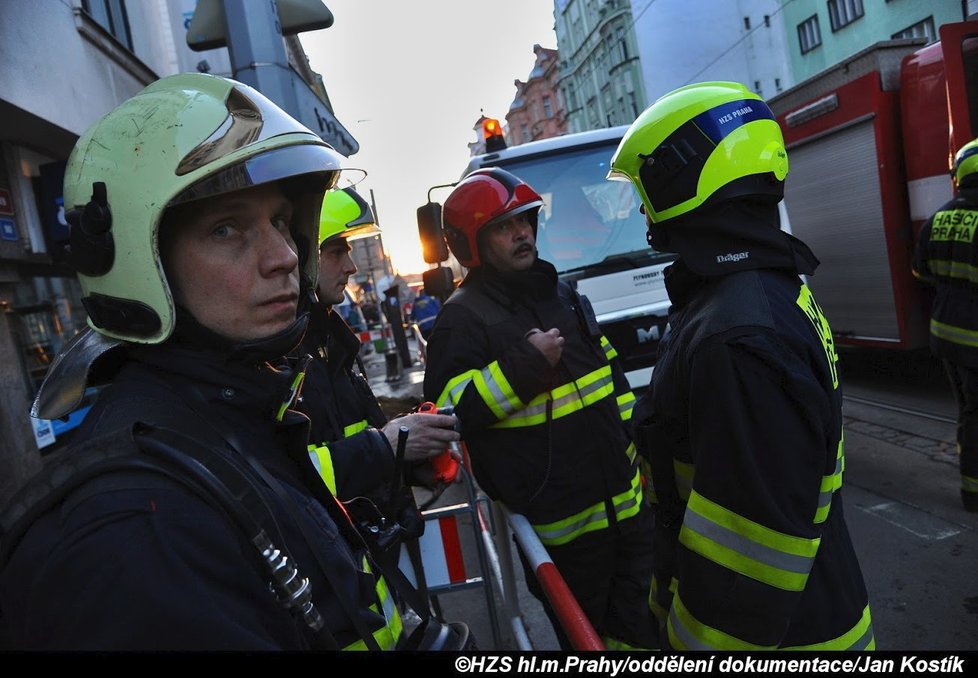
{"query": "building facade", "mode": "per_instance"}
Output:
(600, 72)
(537, 111)
(681, 42)
(822, 33)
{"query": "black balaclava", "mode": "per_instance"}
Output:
(734, 235)
(188, 331)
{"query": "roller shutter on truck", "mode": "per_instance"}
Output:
(833, 198)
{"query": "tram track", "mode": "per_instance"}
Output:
(900, 409)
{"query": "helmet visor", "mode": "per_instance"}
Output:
(280, 163)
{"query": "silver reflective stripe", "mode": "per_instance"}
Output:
(497, 392)
(597, 516)
(748, 547)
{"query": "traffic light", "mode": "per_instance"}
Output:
(493, 133)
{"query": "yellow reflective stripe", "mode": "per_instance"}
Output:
(567, 399)
(323, 461)
(954, 269)
(493, 387)
(620, 645)
(293, 390)
(353, 429)
(631, 453)
(688, 633)
(830, 484)
(956, 335)
(388, 635)
(969, 484)
(452, 393)
(625, 505)
(808, 304)
(609, 350)
(859, 637)
(683, 473)
(626, 403)
(739, 544)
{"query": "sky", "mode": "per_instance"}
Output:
(409, 80)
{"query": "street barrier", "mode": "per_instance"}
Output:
(435, 564)
(572, 618)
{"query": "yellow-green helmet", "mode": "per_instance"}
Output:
(701, 144)
(965, 167)
(345, 214)
(182, 138)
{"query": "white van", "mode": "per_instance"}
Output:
(592, 231)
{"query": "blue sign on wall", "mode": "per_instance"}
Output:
(8, 231)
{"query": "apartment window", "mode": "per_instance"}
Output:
(844, 12)
(777, 84)
(747, 23)
(525, 131)
(921, 29)
(757, 88)
(548, 109)
(809, 36)
(110, 15)
(767, 21)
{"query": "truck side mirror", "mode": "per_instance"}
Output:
(434, 249)
(438, 282)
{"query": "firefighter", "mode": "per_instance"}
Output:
(186, 515)
(352, 442)
(742, 422)
(544, 405)
(946, 257)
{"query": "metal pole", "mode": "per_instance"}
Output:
(257, 50)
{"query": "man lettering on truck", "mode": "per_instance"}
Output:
(543, 405)
(742, 424)
(946, 257)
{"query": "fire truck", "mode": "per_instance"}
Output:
(869, 144)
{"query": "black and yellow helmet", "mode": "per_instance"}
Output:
(701, 144)
(965, 166)
(345, 214)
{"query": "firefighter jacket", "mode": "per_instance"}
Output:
(351, 455)
(135, 560)
(550, 443)
(946, 257)
(742, 428)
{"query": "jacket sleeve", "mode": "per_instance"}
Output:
(463, 373)
(750, 532)
(920, 266)
(356, 465)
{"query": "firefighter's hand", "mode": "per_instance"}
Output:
(549, 343)
(428, 434)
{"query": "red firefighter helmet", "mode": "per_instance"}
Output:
(484, 197)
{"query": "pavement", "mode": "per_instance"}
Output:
(399, 389)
